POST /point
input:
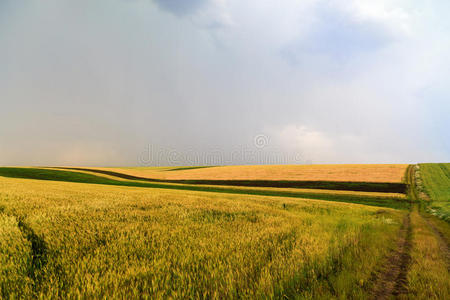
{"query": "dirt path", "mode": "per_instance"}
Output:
(392, 281)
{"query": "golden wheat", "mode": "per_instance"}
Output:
(85, 240)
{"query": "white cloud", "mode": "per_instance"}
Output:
(314, 145)
(393, 15)
(215, 15)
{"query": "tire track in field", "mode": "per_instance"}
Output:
(392, 280)
(39, 251)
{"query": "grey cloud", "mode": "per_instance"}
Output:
(339, 37)
(180, 7)
(96, 82)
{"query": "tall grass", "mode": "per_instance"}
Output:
(428, 276)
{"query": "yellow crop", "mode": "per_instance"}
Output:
(62, 240)
(362, 173)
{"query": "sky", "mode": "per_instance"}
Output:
(198, 82)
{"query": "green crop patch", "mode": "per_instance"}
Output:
(436, 182)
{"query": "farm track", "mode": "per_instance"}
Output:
(392, 281)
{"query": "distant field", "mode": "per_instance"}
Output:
(328, 184)
(363, 173)
(393, 200)
(61, 239)
(296, 190)
(436, 181)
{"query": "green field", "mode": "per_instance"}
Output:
(78, 234)
(436, 182)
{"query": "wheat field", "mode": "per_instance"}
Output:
(61, 239)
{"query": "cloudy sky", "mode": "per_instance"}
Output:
(142, 82)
